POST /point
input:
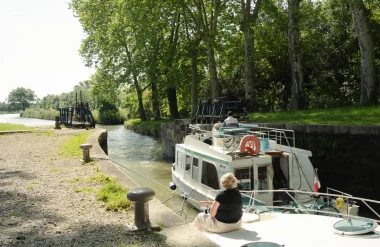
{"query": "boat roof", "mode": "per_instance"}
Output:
(226, 139)
(294, 230)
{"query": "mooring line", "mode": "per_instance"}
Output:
(182, 195)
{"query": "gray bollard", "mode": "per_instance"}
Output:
(140, 197)
(86, 152)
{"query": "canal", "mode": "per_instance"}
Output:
(139, 157)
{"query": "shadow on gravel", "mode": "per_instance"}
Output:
(89, 235)
(23, 222)
(21, 174)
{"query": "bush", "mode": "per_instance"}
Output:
(40, 113)
(109, 114)
(110, 117)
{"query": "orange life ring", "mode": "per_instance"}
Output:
(251, 144)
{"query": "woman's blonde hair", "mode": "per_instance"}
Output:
(229, 181)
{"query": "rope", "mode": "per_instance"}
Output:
(185, 197)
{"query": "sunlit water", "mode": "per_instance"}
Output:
(16, 119)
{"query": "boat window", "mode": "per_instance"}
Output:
(180, 159)
(194, 171)
(243, 176)
(188, 163)
(210, 175)
(263, 177)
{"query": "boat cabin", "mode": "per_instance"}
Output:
(257, 157)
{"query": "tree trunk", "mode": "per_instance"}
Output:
(138, 89)
(172, 100)
(155, 101)
(194, 80)
(248, 21)
(153, 75)
(139, 98)
(367, 53)
(213, 72)
(298, 98)
(249, 60)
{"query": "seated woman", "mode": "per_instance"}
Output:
(225, 212)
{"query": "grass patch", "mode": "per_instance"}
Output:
(100, 178)
(70, 148)
(77, 180)
(10, 127)
(114, 196)
(87, 190)
(343, 115)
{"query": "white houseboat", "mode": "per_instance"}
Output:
(278, 184)
(262, 159)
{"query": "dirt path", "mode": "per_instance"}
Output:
(46, 200)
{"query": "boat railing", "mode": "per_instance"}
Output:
(283, 137)
(305, 202)
(303, 199)
(200, 131)
(280, 136)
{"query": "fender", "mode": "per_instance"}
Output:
(251, 144)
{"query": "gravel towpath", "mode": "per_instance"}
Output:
(47, 200)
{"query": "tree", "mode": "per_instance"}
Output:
(21, 98)
(205, 15)
(248, 21)
(298, 98)
(367, 52)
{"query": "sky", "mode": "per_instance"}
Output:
(39, 47)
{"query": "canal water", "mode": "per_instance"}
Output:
(16, 119)
(138, 156)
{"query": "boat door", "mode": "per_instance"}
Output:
(263, 180)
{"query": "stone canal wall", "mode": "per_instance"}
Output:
(172, 133)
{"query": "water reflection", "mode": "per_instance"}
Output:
(140, 154)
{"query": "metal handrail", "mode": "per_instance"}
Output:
(300, 205)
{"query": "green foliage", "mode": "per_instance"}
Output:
(50, 102)
(341, 115)
(10, 127)
(70, 148)
(143, 50)
(114, 196)
(20, 98)
(40, 113)
(109, 114)
(150, 127)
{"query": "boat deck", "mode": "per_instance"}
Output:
(294, 230)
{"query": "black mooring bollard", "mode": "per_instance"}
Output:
(140, 197)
